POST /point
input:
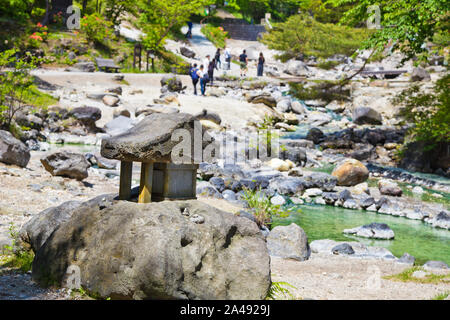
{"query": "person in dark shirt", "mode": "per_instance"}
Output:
(217, 57)
(243, 62)
(211, 67)
(194, 76)
(261, 62)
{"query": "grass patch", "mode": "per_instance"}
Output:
(407, 276)
(39, 98)
(442, 296)
(327, 64)
(15, 256)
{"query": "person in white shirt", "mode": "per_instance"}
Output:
(206, 61)
(227, 56)
(203, 75)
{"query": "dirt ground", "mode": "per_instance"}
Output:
(329, 277)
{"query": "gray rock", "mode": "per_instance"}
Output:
(316, 135)
(229, 195)
(278, 200)
(187, 52)
(373, 231)
(289, 242)
(118, 126)
(287, 186)
(350, 204)
(420, 74)
(172, 82)
(322, 246)
(117, 246)
(66, 164)
(264, 98)
(407, 259)
(207, 190)
(367, 202)
(13, 151)
(389, 188)
(111, 100)
(284, 105)
(435, 265)
(210, 116)
(318, 119)
(85, 66)
(320, 180)
(218, 183)
(36, 231)
(87, 116)
(298, 108)
(296, 68)
(366, 115)
(296, 155)
(343, 248)
(442, 220)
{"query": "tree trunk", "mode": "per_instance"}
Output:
(47, 13)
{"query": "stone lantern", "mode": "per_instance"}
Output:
(152, 142)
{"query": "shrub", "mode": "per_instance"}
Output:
(215, 34)
(17, 256)
(262, 208)
(15, 85)
(428, 112)
(96, 28)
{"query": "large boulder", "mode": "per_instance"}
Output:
(366, 115)
(350, 173)
(289, 242)
(13, 151)
(66, 164)
(296, 68)
(165, 250)
(373, 231)
(37, 230)
(442, 220)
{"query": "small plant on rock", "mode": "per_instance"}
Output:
(17, 256)
(262, 208)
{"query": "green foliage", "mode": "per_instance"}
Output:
(263, 209)
(17, 256)
(16, 9)
(15, 84)
(159, 17)
(114, 9)
(407, 24)
(97, 29)
(326, 90)
(327, 64)
(301, 34)
(428, 112)
(215, 34)
(442, 296)
(256, 9)
(279, 290)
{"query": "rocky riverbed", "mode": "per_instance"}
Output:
(340, 154)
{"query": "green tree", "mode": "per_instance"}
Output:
(159, 17)
(409, 24)
(303, 34)
(114, 9)
(15, 85)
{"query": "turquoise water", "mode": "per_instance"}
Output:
(415, 237)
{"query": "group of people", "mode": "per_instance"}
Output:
(205, 73)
